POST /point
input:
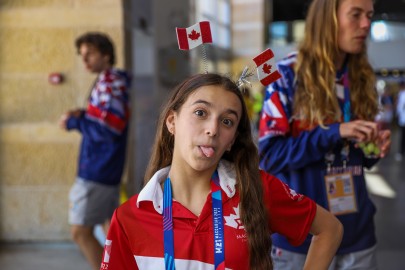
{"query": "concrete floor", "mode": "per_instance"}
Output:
(39, 256)
(45, 255)
(389, 197)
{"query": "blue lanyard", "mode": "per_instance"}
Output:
(345, 108)
(168, 226)
(346, 100)
(346, 113)
(217, 219)
(346, 104)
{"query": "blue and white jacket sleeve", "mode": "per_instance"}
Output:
(280, 149)
(107, 113)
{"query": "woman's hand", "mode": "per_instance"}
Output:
(367, 131)
(384, 141)
(359, 130)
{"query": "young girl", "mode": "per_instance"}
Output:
(206, 205)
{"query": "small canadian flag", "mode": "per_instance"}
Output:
(266, 67)
(194, 35)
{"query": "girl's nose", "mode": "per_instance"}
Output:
(212, 129)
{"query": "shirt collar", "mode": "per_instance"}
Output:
(153, 191)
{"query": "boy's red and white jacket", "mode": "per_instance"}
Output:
(103, 126)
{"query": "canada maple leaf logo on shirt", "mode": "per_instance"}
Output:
(194, 35)
(234, 220)
(292, 193)
(267, 68)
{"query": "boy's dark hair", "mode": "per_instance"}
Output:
(99, 40)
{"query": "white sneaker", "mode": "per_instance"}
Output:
(398, 156)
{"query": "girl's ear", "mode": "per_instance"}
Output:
(170, 120)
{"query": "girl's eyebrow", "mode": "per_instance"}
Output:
(201, 101)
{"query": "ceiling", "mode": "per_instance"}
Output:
(290, 10)
(390, 10)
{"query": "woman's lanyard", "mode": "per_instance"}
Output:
(345, 107)
(346, 115)
(217, 219)
(346, 100)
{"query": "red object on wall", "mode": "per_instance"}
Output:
(55, 78)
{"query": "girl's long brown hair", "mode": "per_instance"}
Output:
(243, 154)
(315, 99)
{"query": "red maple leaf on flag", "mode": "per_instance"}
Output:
(194, 35)
(266, 68)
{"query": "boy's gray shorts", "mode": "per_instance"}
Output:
(360, 260)
(91, 203)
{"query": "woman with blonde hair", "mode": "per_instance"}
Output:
(315, 118)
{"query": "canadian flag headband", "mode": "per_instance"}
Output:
(266, 67)
(193, 36)
(200, 33)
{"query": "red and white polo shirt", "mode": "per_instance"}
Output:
(135, 238)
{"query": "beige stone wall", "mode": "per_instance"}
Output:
(37, 159)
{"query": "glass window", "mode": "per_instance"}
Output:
(387, 31)
(278, 32)
(218, 13)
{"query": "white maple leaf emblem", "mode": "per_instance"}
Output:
(233, 220)
(293, 193)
